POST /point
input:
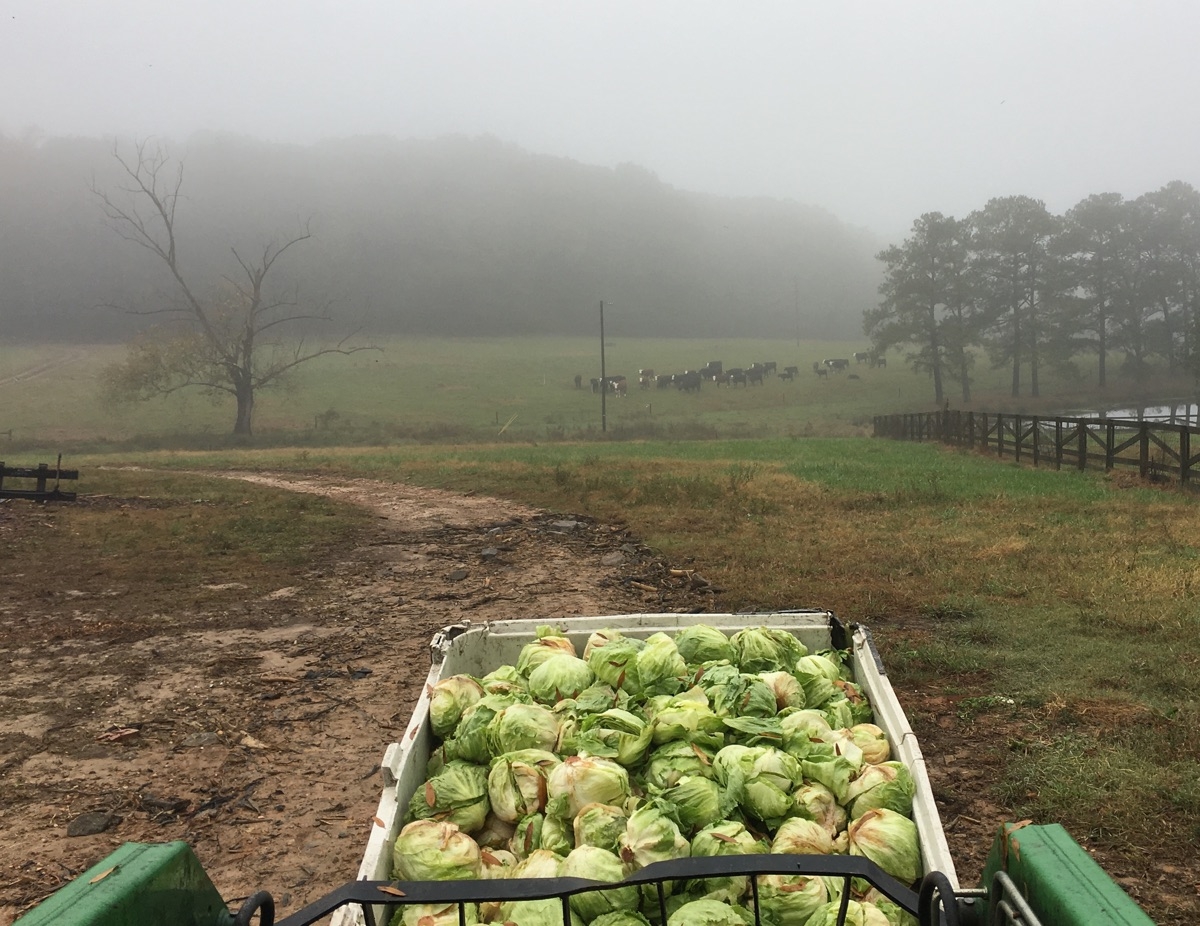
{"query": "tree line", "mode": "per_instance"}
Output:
(1033, 291)
(413, 237)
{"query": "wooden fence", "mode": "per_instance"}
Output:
(1156, 450)
(40, 475)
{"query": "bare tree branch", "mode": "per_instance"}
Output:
(225, 351)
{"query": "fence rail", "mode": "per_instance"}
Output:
(1156, 450)
(40, 475)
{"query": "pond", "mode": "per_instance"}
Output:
(1169, 412)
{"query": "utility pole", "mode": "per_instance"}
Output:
(603, 377)
(796, 291)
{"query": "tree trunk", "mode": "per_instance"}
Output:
(1102, 343)
(1016, 346)
(245, 409)
(935, 351)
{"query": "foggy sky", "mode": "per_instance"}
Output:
(876, 111)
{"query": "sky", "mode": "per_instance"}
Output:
(876, 111)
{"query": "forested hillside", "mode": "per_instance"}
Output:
(449, 236)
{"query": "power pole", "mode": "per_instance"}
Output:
(603, 378)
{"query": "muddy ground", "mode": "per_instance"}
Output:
(254, 732)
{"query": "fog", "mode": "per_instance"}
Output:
(876, 112)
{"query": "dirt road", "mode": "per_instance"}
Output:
(253, 732)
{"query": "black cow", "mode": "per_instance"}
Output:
(737, 375)
(595, 385)
(787, 374)
(578, 381)
(769, 367)
(820, 370)
(794, 371)
(838, 364)
(755, 375)
(688, 381)
(617, 384)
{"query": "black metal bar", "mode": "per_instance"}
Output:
(398, 893)
(937, 891)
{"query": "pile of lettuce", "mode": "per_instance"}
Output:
(596, 764)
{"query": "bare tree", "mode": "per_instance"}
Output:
(231, 341)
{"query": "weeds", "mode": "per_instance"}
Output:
(970, 708)
(952, 609)
(740, 475)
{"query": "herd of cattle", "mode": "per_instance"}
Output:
(715, 372)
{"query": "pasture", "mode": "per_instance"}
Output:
(455, 390)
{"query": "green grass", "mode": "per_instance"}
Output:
(466, 390)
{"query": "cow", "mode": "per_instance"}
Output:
(768, 367)
(794, 371)
(645, 377)
(578, 381)
(663, 380)
(688, 381)
(837, 364)
(862, 356)
(711, 370)
(595, 385)
(820, 370)
(878, 360)
(755, 375)
(853, 376)
(737, 375)
(721, 379)
(787, 374)
(617, 384)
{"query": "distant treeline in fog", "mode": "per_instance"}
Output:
(453, 236)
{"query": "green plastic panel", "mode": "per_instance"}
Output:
(140, 884)
(1062, 884)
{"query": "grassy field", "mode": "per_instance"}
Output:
(440, 390)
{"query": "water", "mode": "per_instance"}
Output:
(1187, 413)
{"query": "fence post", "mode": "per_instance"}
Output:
(1037, 448)
(1082, 427)
(1000, 435)
(1018, 435)
(1110, 444)
(970, 430)
(1058, 443)
(1185, 454)
(1144, 449)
